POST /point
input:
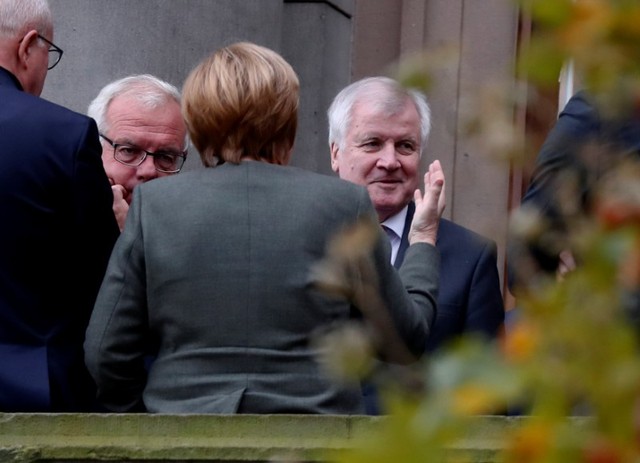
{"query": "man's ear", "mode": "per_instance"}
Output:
(27, 48)
(334, 157)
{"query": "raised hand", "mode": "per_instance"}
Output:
(120, 205)
(429, 208)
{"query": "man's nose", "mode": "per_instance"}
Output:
(388, 157)
(147, 170)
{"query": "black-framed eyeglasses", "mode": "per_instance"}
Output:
(169, 162)
(55, 53)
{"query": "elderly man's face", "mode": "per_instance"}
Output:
(382, 152)
(152, 129)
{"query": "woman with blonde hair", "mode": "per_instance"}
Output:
(213, 268)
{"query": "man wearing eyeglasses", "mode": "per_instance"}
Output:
(57, 225)
(142, 132)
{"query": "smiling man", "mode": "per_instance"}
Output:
(378, 131)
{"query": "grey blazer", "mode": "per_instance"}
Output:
(211, 277)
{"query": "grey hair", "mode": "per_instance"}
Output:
(387, 94)
(16, 16)
(144, 88)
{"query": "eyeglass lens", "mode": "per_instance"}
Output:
(164, 162)
(54, 58)
(55, 52)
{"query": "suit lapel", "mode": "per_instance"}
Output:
(404, 242)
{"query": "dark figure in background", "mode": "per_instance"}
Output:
(58, 228)
(218, 262)
(586, 142)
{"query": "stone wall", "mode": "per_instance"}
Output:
(104, 40)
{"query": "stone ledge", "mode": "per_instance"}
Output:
(144, 437)
(38, 437)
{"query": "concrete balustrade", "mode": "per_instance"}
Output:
(211, 438)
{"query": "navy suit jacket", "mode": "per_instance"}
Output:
(469, 299)
(57, 232)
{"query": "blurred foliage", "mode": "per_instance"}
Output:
(601, 37)
(573, 349)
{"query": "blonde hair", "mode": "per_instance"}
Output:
(242, 102)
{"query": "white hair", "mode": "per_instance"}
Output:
(16, 16)
(385, 93)
(144, 88)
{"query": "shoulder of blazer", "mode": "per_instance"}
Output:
(39, 109)
(458, 245)
(332, 185)
(449, 232)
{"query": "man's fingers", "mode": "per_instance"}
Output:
(118, 192)
(438, 183)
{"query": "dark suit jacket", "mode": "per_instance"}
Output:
(469, 298)
(214, 266)
(57, 231)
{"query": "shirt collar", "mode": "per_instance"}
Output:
(396, 222)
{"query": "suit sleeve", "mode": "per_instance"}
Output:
(559, 156)
(117, 336)
(410, 293)
(578, 122)
(94, 223)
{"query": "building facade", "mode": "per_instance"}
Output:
(329, 43)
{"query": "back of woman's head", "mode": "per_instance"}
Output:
(242, 102)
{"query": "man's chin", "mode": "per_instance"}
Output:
(388, 208)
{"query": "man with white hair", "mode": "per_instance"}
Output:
(142, 132)
(57, 225)
(378, 131)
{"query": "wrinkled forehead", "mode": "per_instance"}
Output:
(389, 111)
(382, 103)
(393, 104)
